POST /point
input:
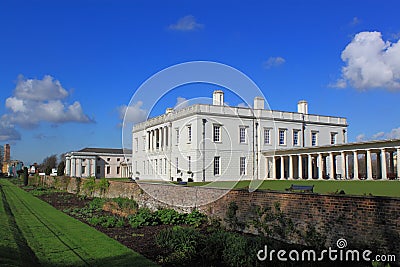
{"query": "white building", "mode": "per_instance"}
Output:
(218, 142)
(99, 163)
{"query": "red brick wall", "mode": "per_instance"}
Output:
(364, 221)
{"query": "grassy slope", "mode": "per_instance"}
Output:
(58, 239)
(376, 188)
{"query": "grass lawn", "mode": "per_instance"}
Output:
(48, 237)
(375, 188)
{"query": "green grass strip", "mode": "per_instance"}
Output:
(375, 188)
(59, 240)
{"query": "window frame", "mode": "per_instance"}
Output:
(242, 134)
(284, 137)
(217, 166)
(242, 166)
(215, 127)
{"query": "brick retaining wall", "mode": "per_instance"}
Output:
(364, 221)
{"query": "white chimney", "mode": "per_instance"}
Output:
(302, 107)
(169, 110)
(258, 102)
(218, 98)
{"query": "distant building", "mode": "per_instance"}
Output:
(5, 159)
(7, 153)
(99, 163)
(13, 167)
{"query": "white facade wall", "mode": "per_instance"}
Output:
(229, 149)
(99, 165)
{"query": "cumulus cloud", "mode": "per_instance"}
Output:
(370, 62)
(36, 101)
(273, 62)
(8, 132)
(181, 103)
(393, 134)
(133, 113)
(187, 23)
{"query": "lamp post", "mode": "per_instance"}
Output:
(204, 149)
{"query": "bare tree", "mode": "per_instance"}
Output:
(49, 163)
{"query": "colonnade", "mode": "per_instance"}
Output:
(79, 166)
(378, 163)
(157, 139)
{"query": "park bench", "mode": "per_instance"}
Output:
(301, 188)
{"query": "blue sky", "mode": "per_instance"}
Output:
(67, 68)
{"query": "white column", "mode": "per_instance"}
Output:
(391, 162)
(147, 141)
(369, 165)
(332, 166)
(68, 166)
(383, 164)
(93, 168)
(343, 161)
(165, 138)
(273, 167)
(310, 167)
(398, 162)
(87, 169)
(291, 167)
(321, 165)
(355, 164)
(79, 168)
(282, 167)
(73, 167)
(300, 166)
(161, 138)
(153, 140)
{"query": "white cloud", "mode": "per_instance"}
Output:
(8, 132)
(371, 63)
(181, 103)
(35, 101)
(133, 113)
(273, 62)
(242, 105)
(393, 134)
(360, 138)
(187, 23)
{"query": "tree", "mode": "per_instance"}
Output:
(49, 163)
(60, 168)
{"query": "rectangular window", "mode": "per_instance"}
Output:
(217, 166)
(165, 166)
(242, 135)
(314, 139)
(108, 169)
(189, 163)
(242, 165)
(333, 138)
(161, 166)
(136, 144)
(295, 138)
(83, 169)
(217, 133)
(144, 143)
(267, 136)
(177, 135)
(108, 159)
(155, 166)
(282, 137)
(118, 159)
(189, 129)
(177, 165)
(118, 170)
(98, 169)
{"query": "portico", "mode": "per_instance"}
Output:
(365, 160)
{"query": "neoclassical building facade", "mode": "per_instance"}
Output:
(99, 163)
(218, 142)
